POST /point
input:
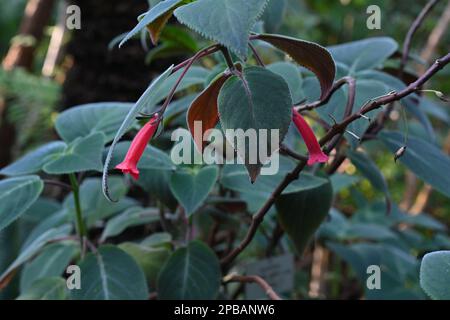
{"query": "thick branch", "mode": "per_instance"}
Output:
(395, 96)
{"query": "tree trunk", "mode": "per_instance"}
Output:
(36, 17)
(21, 54)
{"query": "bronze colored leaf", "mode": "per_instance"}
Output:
(204, 109)
(307, 54)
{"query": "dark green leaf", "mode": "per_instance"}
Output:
(259, 100)
(191, 188)
(111, 274)
(235, 178)
(291, 74)
(301, 213)
(156, 183)
(153, 158)
(191, 273)
(51, 262)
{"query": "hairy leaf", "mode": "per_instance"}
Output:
(309, 55)
(111, 274)
(191, 273)
(227, 21)
(16, 196)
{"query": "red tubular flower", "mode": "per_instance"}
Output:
(316, 154)
(137, 148)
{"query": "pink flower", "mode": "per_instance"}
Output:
(137, 148)
(316, 154)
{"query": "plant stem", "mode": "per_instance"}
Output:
(228, 58)
(81, 227)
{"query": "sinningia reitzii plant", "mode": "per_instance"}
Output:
(268, 123)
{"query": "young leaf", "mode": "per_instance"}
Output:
(35, 160)
(435, 275)
(192, 188)
(301, 213)
(205, 110)
(111, 274)
(154, 19)
(191, 273)
(260, 99)
(83, 154)
(16, 196)
(150, 97)
(307, 54)
(51, 262)
(227, 21)
(424, 159)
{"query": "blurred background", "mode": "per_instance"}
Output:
(47, 68)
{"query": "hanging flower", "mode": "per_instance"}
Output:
(316, 154)
(137, 148)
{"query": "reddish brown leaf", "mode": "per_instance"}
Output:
(204, 109)
(307, 54)
(155, 28)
